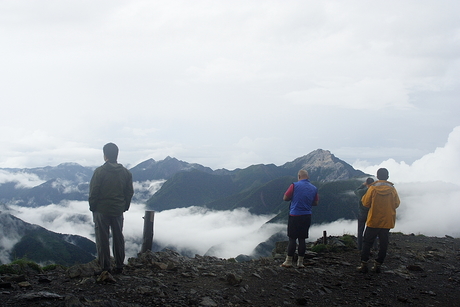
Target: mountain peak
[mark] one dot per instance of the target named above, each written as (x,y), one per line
(163,169)
(323,166)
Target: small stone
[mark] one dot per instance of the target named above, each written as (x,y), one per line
(233,279)
(105,277)
(43,279)
(24,284)
(38,295)
(413,267)
(207,301)
(160,265)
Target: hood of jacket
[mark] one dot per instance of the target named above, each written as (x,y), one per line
(383,187)
(112,167)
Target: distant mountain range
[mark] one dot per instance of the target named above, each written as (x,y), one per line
(261,187)
(187,184)
(258,187)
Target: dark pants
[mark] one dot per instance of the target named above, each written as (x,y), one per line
(370,235)
(361,226)
(102,226)
(298,227)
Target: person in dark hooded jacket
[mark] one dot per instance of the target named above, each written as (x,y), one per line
(110,193)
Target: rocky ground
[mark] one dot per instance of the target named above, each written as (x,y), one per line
(419,271)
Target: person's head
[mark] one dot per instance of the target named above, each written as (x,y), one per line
(382,174)
(303,174)
(110,152)
(369,181)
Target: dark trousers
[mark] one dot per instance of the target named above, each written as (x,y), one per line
(102,226)
(361,226)
(298,227)
(370,235)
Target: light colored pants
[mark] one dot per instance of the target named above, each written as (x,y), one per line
(102,226)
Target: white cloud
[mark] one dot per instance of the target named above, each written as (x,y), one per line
(429,189)
(191,229)
(337,228)
(145,189)
(429,208)
(198,229)
(69,217)
(23,180)
(8,238)
(441,165)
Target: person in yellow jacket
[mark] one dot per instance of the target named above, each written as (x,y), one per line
(382,200)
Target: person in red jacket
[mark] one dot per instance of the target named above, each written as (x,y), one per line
(302,196)
(382,200)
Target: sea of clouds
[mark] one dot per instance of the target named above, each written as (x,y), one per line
(429,190)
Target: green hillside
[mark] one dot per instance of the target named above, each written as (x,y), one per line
(43,246)
(263,199)
(194,188)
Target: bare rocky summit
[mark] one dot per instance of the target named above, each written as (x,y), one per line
(419,271)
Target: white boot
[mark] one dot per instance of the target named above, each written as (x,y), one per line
(300,262)
(288,262)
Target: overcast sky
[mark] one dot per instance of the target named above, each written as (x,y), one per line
(227,84)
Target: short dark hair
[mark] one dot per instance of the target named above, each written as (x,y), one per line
(110,152)
(369,180)
(382,174)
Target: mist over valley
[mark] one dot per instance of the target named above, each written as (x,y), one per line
(227,213)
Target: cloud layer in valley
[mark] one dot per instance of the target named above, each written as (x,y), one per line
(191,230)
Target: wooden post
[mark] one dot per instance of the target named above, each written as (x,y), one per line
(148,231)
(324,237)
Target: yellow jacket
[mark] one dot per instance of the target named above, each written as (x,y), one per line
(382,200)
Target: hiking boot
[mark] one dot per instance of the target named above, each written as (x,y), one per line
(363,267)
(377,268)
(287,263)
(300,262)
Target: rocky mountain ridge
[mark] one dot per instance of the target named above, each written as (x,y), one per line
(70,181)
(257,187)
(418,271)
